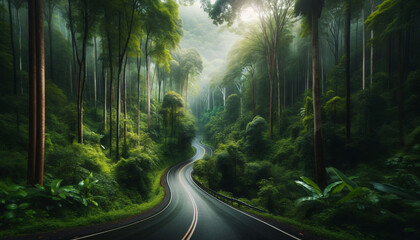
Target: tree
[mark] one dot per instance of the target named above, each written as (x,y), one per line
(127,11)
(84,19)
(12,42)
(311,10)
(191,65)
(50,6)
(36,93)
(272,17)
(162,26)
(393,17)
(171,106)
(18,5)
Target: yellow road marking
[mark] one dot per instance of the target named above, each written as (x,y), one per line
(193,225)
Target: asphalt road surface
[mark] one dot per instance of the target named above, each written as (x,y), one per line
(193,214)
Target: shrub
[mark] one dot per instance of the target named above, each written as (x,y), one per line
(133,172)
(255,136)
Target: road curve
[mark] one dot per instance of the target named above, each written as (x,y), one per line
(193,214)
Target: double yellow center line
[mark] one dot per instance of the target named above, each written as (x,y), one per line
(191,230)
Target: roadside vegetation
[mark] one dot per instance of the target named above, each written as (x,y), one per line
(108,137)
(370,130)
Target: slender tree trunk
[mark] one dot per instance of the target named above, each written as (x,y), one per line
(371,48)
(125,102)
(253,92)
(400,88)
(186,92)
(51,46)
(364,50)
(111,84)
(104,75)
(148,84)
(20,48)
(347,45)
(138,95)
(117,136)
(20,44)
(278,97)
(40,92)
(94,73)
(12,41)
(321,176)
(71,78)
(32,92)
(322,76)
(307,71)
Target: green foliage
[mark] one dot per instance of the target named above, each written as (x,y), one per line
(335,108)
(306,114)
(255,135)
(268,193)
(14,205)
(133,172)
(233,108)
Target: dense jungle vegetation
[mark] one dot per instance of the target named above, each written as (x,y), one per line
(311,108)
(315,116)
(114,118)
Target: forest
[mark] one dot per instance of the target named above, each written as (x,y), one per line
(306,110)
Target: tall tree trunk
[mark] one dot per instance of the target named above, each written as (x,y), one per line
(117,136)
(104,75)
(32,92)
(138,95)
(40,93)
(111,84)
(278,97)
(71,79)
(94,73)
(253,92)
(364,51)
(148,83)
(371,47)
(320,173)
(51,46)
(347,45)
(400,88)
(20,47)
(12,41)
(186,92)
(125,102)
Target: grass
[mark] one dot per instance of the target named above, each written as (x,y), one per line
(46,224)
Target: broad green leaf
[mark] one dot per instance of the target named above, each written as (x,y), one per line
(402,193)
(357,192)
(349,183)
(23,205)
(330,187)
(312,184)
(55,185)
(62,195)
(300,200)
(339,188)
(11,206)
(306,187)
(94,202)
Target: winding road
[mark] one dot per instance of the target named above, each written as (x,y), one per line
(191,213)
